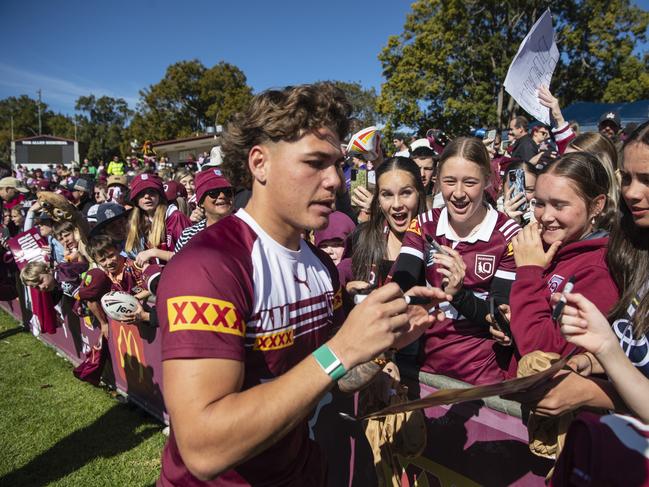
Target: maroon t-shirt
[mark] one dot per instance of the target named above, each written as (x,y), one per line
(457,347)
(234,293)
(130,280)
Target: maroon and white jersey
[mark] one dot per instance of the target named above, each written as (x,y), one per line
(175,222)
(457,347)
(235,293)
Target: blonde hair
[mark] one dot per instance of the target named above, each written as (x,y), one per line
(605,152)
(139,227)
(31,273)
(183,173)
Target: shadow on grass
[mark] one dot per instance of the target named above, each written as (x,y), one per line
(109,435)
(11,332)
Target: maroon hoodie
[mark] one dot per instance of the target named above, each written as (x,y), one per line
(532,325)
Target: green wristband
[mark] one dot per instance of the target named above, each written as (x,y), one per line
(331,364)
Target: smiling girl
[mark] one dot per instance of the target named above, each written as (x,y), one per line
(398,197)
(571,209)
(154,226)
(476,263)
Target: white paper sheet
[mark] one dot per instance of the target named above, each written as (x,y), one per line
(533,66)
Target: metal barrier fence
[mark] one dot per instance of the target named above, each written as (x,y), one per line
(475,443)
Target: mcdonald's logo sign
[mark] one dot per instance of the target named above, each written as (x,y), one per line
(204,314)
(128,343)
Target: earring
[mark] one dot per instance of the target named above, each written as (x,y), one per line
(592,221)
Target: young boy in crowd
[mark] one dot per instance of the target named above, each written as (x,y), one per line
(122,271)
(65,233)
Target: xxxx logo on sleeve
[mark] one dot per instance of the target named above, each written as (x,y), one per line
(204,314)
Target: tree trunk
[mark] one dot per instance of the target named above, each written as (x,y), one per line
(499,107)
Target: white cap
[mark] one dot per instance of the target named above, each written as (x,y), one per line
(420,143)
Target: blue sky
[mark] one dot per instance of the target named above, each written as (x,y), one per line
(73,48)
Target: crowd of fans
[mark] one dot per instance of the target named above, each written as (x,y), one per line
(508,218)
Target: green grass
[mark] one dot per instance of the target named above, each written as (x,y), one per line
(57,430)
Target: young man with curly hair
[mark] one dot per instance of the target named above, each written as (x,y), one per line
(254,335)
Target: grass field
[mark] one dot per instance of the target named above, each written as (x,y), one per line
(57,430)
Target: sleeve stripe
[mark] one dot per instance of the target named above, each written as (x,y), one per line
(507,224)
(411,251)
(510,276)
(513,230)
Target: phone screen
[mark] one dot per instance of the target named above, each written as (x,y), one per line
(516,179)
(358,178)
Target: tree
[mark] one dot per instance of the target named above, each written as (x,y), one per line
(363,102)
(188,99)
(101,125)
(448,67)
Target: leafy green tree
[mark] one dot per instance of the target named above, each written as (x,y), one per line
(363,102)
(59,125)
(225,91)
(448,67)
(101,125)
(188,99)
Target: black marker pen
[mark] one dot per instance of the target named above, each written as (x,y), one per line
(558,308)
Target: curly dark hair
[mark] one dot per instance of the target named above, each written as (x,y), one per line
(281,115)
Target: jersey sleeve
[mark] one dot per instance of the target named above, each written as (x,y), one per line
(507,265)
(204,297)
(408,267)
(175,224)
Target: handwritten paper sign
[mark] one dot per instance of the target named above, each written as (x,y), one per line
(532,67)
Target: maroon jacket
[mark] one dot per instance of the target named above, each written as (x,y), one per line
(532,325)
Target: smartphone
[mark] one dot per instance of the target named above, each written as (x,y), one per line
(358,178)
(504,144)
(371,180)
(516,180)
(491,135)
(501,323)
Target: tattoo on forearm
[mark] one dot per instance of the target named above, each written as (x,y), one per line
(359,377)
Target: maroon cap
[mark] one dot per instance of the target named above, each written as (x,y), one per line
(143,182)
(173,189)
(208,180)
(94,285)
(340,226)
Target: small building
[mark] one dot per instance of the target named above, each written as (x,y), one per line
(40,150)
(180,151)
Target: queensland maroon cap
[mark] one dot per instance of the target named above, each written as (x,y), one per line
(142,182)
(208,180)
(173,189)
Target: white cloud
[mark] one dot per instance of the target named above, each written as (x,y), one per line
(56,91)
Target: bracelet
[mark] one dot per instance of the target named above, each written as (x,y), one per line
(329,362)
